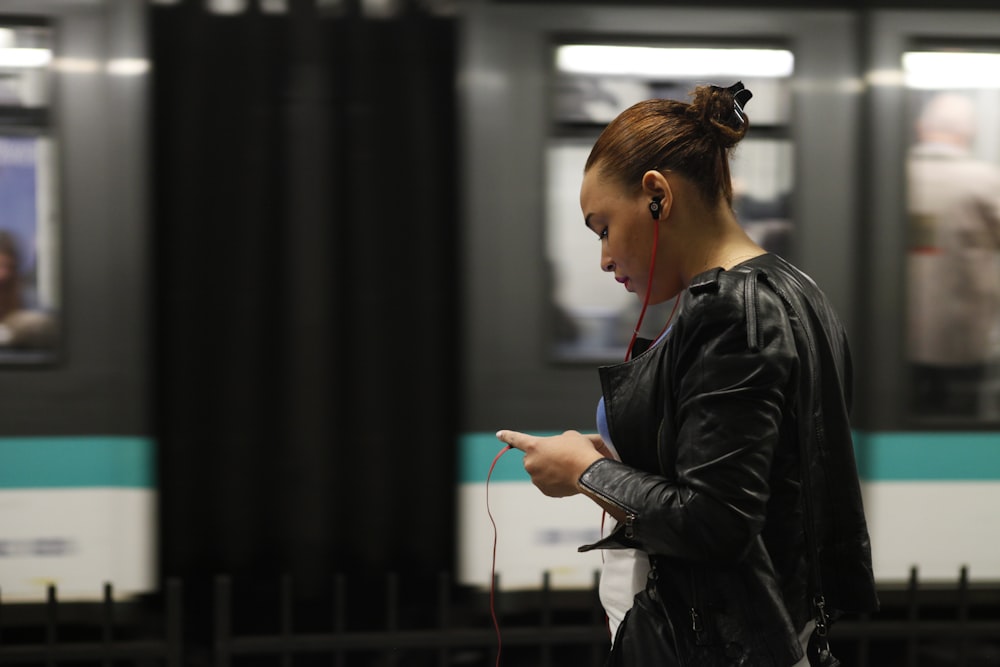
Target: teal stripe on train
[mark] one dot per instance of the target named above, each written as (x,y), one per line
(929,456)
(882,457)
(77,462)
(476,452)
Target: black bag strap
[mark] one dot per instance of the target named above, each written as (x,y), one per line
(818,649)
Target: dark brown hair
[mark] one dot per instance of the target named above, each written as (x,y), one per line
(693,139)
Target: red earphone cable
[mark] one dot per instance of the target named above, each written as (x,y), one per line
(635,335)
(645,301)
(649,288)
(493,567)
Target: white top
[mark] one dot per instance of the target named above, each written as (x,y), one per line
(623,574)
(623,571)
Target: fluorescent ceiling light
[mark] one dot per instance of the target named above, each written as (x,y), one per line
(76,65)
(885,77)
(935,70)
(128,66)
(656,62)
(21,57)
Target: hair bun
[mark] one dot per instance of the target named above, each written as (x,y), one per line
(720,110)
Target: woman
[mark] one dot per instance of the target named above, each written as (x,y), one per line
(724,451)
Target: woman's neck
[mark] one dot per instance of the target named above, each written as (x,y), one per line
(716,240)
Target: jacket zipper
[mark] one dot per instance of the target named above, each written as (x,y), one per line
(696,625)
(696,621)
(630,525)
(631,516)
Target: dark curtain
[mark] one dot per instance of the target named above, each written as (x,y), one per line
(306,290)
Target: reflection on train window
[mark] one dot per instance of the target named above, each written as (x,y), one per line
(953,209)
(29,271)
(592,316)
(25,55)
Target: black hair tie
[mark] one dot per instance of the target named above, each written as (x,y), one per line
(741,95)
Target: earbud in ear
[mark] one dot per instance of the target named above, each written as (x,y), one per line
(654,207)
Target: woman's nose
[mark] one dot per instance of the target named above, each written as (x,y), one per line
(606,263)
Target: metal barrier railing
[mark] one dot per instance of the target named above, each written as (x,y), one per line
(20,646)
(926,625)
(463,628)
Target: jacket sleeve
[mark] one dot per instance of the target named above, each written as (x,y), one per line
(732,367)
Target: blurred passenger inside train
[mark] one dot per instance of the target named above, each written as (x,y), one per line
(723,453)
(22,323)
(954,262)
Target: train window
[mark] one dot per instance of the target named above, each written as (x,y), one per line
(25,55)
(953,250)
(29,277)
(593,317)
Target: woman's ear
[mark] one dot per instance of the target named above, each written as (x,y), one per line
(656,188)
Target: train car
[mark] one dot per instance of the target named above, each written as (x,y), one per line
(823,178)
(77,456)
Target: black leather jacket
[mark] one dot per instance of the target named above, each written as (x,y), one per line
(711,426)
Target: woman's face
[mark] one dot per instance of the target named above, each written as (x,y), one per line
(623,225)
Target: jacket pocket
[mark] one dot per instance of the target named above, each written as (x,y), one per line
(645,636)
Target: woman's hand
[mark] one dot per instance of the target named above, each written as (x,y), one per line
(556,463)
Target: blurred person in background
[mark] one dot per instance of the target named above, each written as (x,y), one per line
(22,323)
(724,454)
(953,202)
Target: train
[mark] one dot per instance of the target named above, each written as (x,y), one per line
(821,179)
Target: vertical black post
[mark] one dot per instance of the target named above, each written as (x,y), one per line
(107,623)
(174,632)
(545,622)
(223,618)
(392,616)
(50,627)
(339,609)
(286,621)
(598,617)
(913,618)
(963,616)
(495,612)
(444,616)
